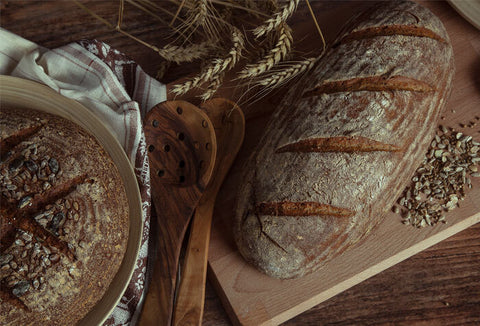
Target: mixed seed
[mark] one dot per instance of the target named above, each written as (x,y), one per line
(26,260)
(28,173)
(440,183)
(55,216)
(24,263)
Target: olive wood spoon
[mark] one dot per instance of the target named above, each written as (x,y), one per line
(229,125)
(182,146)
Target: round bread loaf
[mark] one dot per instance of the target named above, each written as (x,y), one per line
(64,219)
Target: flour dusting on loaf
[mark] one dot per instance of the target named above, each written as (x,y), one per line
(346,139)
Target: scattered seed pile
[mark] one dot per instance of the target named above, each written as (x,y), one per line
(439,184)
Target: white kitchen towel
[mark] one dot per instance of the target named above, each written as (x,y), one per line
(120,93)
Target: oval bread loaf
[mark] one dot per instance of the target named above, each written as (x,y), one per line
(345,141)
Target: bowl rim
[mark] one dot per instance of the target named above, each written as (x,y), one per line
(469,10)
(23,93)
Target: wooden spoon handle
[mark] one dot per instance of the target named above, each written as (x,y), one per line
(191,292)
(182,148)
(229,125)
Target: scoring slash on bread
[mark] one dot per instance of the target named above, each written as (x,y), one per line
(345,141)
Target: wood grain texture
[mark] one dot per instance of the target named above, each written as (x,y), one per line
(438,286)
(229,124)
(182,147)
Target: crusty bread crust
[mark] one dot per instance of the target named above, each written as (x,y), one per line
(64,219)
(349,136)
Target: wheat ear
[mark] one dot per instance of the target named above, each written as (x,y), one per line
(202,17)
(180,54)
(212,88)
(279,77)
(217,66)
(275,55)
(278,19)
(197,14)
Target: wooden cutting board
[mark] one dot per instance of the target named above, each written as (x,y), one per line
(252,298)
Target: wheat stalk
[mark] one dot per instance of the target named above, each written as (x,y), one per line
(251,5)
(201,13)
(275,55)
(268,44)
(177,13)
(217,66)
(235,5)
(283,75)
(277,20)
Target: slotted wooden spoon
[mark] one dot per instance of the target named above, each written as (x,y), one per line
(182,148)
(229,125)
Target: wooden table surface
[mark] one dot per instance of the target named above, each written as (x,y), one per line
(439,286)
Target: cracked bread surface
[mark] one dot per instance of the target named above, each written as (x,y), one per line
(64,219)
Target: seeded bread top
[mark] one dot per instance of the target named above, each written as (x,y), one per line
(64,217)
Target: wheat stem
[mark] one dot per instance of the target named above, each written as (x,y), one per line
(149,8)
(177,13)
(120,14)
(316,24)
(107,23)
(104,21)
(240,7)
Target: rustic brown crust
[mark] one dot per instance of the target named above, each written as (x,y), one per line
(338,144)
(7,296)
(31,226)
(353,141)
(389,30)
(6,144)
(371,83)
(301,209)
(63,215)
